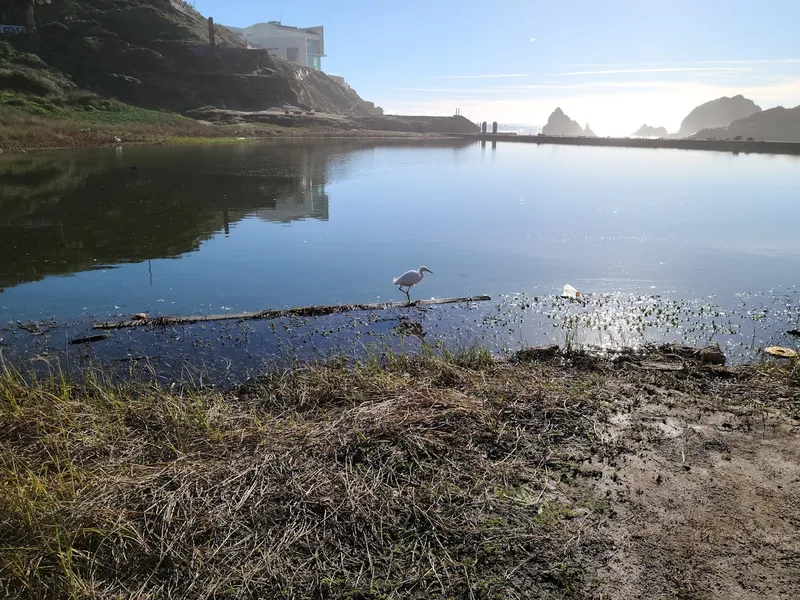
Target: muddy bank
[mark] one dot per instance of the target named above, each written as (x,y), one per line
(50,133)
(293,117)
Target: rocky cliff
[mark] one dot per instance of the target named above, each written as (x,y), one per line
(561,124)
(157,54)
(648,131)
(717,113)
(774,125)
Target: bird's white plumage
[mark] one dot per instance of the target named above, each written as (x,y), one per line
(410,278)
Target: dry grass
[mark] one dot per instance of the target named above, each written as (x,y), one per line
(431,477)
(419,478)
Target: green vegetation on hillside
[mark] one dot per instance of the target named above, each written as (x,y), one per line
(41,106)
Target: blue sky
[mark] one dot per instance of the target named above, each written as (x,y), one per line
(613,64)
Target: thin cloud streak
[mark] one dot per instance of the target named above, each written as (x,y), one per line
(595,85)
(494,90)
(587,85)
(658,70)
(544,86)
(756,61)
(497,76)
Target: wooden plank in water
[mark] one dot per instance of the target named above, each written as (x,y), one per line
(303,311)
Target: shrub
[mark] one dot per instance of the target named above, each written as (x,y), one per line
(93,44)
(13,101)
(83,98)
(28,82)
(30,60)
(6,50)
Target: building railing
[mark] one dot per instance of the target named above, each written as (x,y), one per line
(12,30)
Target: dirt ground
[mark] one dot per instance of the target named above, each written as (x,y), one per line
(705,489)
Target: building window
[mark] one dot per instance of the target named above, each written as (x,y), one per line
(293,54)
(312,46)
(315,63)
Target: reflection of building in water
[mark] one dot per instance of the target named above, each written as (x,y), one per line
(309,201)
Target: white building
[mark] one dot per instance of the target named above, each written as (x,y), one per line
(303,46)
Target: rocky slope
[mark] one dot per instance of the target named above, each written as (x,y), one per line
(648,131)
(156,54)
(561,124)
(774,125)
(717,113)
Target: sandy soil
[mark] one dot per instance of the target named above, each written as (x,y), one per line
(705,492)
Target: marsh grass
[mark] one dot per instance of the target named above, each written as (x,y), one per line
(33,126)
(397,476)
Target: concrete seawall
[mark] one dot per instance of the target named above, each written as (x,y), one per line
(734,146)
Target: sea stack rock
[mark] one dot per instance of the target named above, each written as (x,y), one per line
(561,124)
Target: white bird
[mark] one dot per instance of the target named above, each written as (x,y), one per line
(116,139)
(410,278)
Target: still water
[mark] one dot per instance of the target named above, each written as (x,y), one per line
(253,226)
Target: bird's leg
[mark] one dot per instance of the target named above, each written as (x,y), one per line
(406,293)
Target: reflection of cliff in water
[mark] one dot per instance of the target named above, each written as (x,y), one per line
(65,213)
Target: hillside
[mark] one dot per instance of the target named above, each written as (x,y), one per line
(717,113)
(156,54)
(774,125)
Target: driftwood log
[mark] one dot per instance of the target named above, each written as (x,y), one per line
(303,311)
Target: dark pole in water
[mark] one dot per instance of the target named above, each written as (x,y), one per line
(494,127)
(483,127)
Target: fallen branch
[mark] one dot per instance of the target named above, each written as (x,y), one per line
(303,311)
